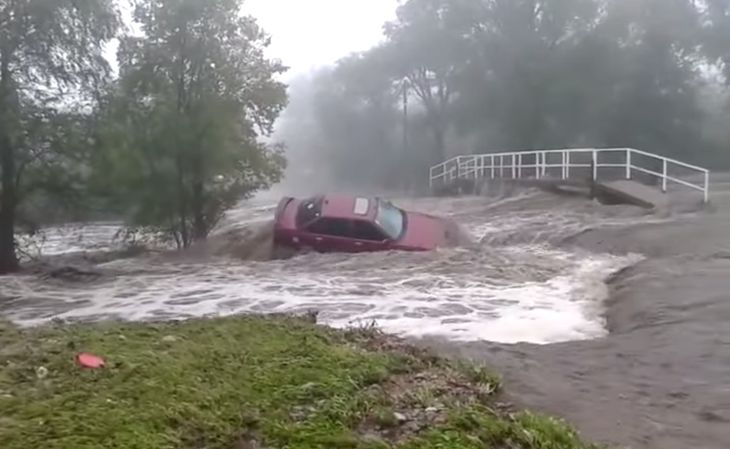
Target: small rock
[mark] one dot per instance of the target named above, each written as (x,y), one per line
(432,410)
(414,427)
(41,372)
(400,417)
(311,316)
(169,339)
(504,406)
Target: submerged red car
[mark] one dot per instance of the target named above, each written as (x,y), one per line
(338,223)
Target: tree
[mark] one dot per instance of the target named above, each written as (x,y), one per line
(195,93)
(426,48)
(716,33)
(519,89)
(654,105)
(48,49)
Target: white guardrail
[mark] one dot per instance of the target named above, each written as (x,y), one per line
(560,164)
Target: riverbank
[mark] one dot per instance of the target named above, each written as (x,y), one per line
(249,382)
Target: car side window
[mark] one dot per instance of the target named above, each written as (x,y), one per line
(308,211)
(365,230)
(331,226)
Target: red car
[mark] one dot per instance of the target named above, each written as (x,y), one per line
(336,223)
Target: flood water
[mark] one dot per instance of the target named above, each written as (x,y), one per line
(611,317)
(510,284)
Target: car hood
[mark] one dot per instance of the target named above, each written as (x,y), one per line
(425,231)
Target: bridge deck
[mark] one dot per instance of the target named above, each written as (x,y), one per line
(616,192)
(632,192)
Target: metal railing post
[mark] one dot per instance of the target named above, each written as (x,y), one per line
(595,165)
(492,166)
(664,175)
(628,163)
(544,164)
(567,164)
(514,165)
(519,166)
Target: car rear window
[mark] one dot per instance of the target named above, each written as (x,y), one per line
(309,210)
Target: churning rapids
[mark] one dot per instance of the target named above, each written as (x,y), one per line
(515,282)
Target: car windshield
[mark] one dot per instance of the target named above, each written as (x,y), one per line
(391,219)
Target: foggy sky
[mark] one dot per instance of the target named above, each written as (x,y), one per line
(308,34)
(312,33)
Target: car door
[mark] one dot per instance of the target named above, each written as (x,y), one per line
(329,235)
(368,237)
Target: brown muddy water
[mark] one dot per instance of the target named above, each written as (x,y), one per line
(661,378)
(609,316)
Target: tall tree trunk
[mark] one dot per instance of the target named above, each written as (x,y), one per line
(8,196)
(8,258)
(182,204)
(200,226)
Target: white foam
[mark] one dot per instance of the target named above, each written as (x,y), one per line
(517,293)
(71,239)
(407,301)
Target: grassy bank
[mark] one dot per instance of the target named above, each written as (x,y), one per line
(248,382)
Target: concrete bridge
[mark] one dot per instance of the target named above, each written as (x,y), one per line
(618,175)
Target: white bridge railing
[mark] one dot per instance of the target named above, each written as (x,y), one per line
(569,164)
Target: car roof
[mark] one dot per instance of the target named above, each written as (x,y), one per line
(349,207)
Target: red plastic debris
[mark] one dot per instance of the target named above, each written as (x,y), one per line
(90,361)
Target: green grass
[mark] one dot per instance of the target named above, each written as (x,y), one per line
(244,382)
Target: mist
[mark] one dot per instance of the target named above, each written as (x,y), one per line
(502,75)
